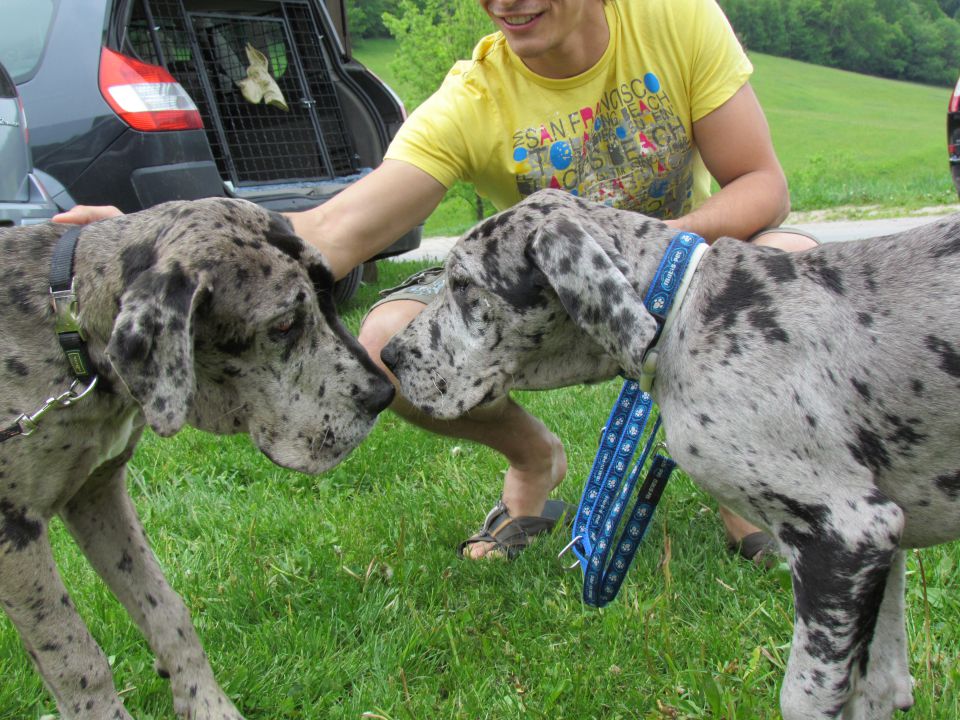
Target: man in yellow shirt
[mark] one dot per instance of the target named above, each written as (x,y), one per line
(634,103)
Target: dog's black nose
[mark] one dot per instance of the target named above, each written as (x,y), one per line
(389,354)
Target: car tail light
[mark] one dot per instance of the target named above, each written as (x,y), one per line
(146,97)
(955,100)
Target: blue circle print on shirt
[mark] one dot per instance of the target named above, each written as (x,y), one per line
(652,82)
(520,154)
(561,155)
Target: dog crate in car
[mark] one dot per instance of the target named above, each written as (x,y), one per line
(260,74)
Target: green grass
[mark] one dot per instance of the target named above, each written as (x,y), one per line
(849,139)
(340,596)
(846,141)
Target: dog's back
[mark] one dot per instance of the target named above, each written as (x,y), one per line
(848,352)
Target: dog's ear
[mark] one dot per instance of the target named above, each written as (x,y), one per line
(151,345)
(594,290)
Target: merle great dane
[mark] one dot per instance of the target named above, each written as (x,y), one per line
(210,313)
(816,393)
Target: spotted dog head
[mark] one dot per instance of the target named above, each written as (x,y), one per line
(226,322)
(539,296)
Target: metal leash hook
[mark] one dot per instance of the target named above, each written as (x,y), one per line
(29,423)
(567,548)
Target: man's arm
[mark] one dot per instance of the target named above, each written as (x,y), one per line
(351,227)
(735,144)
(370,215)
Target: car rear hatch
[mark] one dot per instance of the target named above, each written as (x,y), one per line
(267,79)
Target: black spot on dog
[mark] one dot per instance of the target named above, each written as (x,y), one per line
(838,587)
(865,319)
(135,260)
(949,358)
(824,275)
(766,322)
(178,289)
(951,247)
(20,297)
(904,434)
(17,529)
(235,346)
(869,450)
(16,367)
(280,235)
(742,292)
(863,390)
(949,485)
(779,266)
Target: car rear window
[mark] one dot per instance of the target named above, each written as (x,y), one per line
(26,26)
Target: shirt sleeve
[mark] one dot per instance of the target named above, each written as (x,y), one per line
(720,66)
(444,136)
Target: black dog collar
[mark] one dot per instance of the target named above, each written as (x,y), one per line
(64,299)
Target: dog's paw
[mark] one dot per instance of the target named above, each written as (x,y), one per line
(878,698)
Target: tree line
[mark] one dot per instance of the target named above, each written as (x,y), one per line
(915,40)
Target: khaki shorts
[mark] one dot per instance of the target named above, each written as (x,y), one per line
(424,286)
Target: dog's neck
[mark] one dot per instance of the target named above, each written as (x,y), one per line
(98,279)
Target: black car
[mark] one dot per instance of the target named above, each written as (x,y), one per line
(136,102)
(23,199)
(953,135)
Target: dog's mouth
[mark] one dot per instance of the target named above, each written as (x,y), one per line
(314,453)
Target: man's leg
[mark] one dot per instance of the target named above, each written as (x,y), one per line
(537,462)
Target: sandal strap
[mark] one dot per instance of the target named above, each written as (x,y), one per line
(509,535)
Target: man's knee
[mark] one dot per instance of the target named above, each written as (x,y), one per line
(383,322)
(785,239)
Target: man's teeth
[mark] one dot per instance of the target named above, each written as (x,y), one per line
(518,19)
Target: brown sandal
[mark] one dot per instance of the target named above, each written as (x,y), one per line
(511,535)
(759,548)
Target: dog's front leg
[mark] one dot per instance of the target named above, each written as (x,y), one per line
(104,522)
(841,553)
(887,682)
(72,665)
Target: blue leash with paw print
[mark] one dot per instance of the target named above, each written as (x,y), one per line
(603,557)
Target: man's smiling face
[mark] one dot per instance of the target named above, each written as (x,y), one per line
(554,38)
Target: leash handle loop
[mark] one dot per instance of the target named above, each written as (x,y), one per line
(607,491)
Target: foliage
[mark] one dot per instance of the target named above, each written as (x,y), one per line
(431,36)
(365,17)
(917,40)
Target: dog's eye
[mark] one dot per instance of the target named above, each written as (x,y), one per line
(284,327)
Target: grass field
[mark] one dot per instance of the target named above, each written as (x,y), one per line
(849,142)
(340,596)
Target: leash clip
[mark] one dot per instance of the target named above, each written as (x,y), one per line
(29,423)
(567,548)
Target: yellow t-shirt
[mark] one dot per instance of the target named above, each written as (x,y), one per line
(620,133)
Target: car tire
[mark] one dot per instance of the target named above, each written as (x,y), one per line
(346,287)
